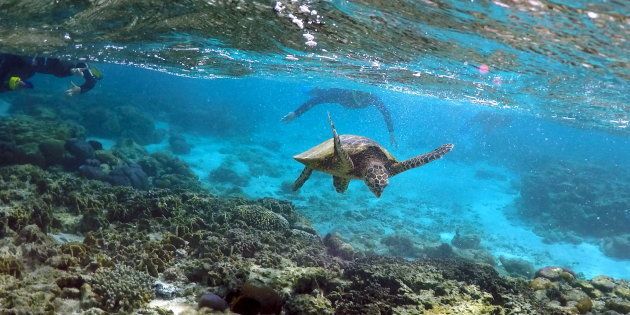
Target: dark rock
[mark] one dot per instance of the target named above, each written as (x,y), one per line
(129,175)
(212,301)
(91,172)
(80,149)
(95,145)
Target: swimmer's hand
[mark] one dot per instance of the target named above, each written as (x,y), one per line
(77,71)
(288,117)
(73,90)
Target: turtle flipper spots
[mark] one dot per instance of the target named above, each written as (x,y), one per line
(340,183)
(306,173)
(421,159)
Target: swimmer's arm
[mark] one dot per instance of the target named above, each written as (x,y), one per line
(301,110)
(61,68)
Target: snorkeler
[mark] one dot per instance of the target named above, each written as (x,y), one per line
(15,70)
(347,98)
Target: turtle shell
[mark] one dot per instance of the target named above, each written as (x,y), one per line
(359,148)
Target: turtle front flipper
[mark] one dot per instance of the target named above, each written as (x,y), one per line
(341,156)
(306,173)
(420,159)
(341,183)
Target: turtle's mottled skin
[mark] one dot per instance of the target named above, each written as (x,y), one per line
(349,157)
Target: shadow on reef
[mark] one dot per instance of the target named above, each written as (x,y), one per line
(568,202)
(72,245)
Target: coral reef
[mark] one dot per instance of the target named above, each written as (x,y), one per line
(167,171)
(254,255)
(466,241)
(98,118)
(517,267)
(122,288)
(564,293)
(399,245)
(576,199)
(261,218)
(26,140)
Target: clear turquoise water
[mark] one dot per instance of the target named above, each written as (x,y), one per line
(556,92)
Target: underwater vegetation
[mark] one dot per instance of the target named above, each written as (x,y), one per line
(566,202)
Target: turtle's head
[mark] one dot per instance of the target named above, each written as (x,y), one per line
(377,178)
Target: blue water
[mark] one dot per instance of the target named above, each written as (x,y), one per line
(426,205)
(548,119)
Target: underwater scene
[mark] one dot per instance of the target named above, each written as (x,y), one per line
(314,157)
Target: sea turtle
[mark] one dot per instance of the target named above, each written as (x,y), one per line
(349,157)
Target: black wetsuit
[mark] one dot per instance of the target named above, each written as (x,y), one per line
(347,98)
(25,67)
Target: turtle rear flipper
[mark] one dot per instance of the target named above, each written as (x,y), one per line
(306,173)
(420,159)
(341,183)
(341,156)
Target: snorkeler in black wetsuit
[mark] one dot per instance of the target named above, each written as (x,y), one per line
(15,70)
(347,98)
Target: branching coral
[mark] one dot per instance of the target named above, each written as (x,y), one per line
(122,288)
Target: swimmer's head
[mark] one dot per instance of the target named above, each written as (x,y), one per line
(16,82)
